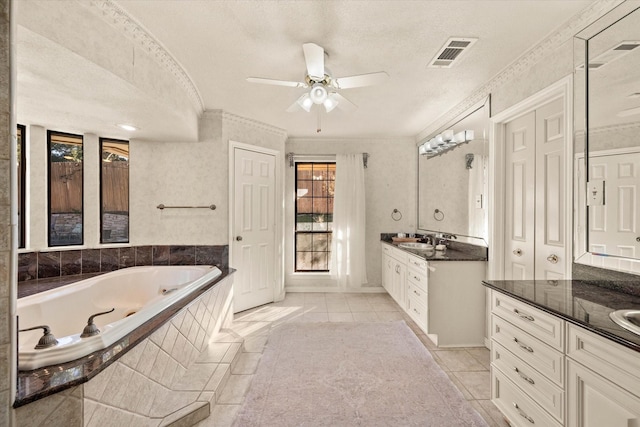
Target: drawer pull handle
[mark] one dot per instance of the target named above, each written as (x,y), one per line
(523,316)
(523,376)
(417,312)
(522,346)
(417,278)
(416,292)
(523,414)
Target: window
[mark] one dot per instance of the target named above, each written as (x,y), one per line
(65,189)
(315,183)
(114,191)
(22,166)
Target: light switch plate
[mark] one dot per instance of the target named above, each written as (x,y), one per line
(595,193)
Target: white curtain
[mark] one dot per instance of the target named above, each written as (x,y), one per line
(348,266)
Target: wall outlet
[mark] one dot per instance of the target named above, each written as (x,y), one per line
(595,193)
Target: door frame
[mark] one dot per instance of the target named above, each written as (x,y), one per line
(278,288)
(497,141)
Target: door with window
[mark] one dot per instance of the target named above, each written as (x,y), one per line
(253,227)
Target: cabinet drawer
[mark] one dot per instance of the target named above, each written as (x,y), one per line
(416,292)
(611,360)
(417,308)
(537,386)
(418,280)
(417,263)
(520,409)
(544,326)
(532,351)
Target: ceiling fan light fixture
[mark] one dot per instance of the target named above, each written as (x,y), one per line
(305,102)
(318,93)
(330,103)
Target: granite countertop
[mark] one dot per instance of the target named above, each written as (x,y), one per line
(584,303)
(39,383)
(455,252)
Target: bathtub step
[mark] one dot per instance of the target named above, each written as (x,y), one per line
(218,360)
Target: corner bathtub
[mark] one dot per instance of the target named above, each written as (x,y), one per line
(136,293)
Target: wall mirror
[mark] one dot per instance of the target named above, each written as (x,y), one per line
(453,185)
(607,140)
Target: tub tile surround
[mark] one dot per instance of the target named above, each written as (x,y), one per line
(41,271)
(155,359)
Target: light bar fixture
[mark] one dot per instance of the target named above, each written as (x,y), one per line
(444,142)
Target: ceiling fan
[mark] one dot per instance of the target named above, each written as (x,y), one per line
(323,86)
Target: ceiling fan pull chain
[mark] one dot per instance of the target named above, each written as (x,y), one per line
(319,127)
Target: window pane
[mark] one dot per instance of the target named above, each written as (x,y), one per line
(65,189)
(21,156)
(114,184)
(314,215)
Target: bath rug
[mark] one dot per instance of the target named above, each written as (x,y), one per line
(351,374)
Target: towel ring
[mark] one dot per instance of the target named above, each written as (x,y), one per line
(438,215)
(396,215)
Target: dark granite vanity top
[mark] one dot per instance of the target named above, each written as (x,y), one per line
(456,251)
(582,302)
(43,382)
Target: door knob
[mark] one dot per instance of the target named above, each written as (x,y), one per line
(553,258)
(517,252)
(239,238)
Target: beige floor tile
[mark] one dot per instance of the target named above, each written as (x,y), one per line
(315,317)
(385,306)
(235,389)
(340,317)
(247,364)
(338,306)
(255,343)
(359,305)
(477,383)
(366,316)
(482,355)
(389,316)
(221,416)
(467,395)
(427,342)
(458,360)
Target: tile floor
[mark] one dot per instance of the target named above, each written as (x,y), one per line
(468,368)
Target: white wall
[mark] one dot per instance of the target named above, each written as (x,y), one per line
(390,181)
(190,174)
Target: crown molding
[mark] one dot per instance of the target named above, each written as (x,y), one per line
(611,128)
(120,19)
(578,22)
(233,118)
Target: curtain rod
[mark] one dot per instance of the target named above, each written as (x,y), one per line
(365,157)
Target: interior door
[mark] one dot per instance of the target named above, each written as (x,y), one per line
(551,192)
(253,226)
(520,197)
(613,227)
(535,196)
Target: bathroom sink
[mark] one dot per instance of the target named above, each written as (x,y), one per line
(416,245)
(628,319)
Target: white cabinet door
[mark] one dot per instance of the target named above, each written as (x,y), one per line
(593,401)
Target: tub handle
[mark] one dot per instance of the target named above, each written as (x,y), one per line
(91,329)
(46,340)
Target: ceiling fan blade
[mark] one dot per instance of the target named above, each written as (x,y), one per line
(275,82)
(314,57)
(360,80)
(343,103)
(302,103)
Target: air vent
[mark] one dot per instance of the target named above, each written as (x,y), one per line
(612,54)
(451,51)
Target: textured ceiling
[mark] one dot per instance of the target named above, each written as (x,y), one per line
(221,43)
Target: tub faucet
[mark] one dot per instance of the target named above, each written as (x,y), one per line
(91,329)
(46,340)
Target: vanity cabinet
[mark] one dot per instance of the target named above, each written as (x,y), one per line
(394,273)
(603,381)
(444,298)
(548,371)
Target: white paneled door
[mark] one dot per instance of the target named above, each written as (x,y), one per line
(613,226)
(253,225)
(535,194)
